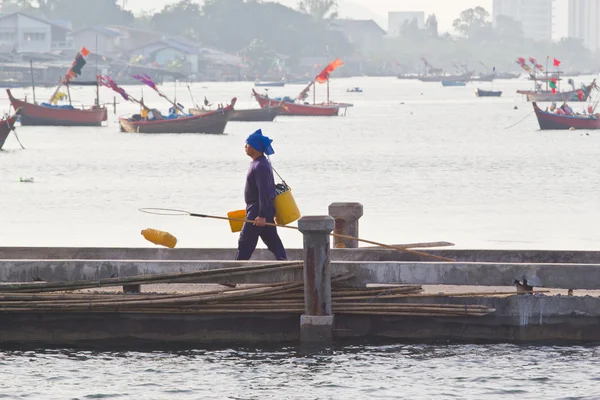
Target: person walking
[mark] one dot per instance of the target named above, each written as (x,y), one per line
(259,194)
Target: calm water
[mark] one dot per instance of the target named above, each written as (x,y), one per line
(351,372)
(427,163)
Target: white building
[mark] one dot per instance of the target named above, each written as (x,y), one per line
(26,33)
(584,22)
(397,19)
(534,15)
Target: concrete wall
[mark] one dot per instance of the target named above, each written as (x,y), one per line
(565,276)
(517,319)
(360,254)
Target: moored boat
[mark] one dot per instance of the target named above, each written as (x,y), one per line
(46,114)
(453,83)
(210,122)
(270,84)
(7,125)
(549,95)
(298,107)
(549,120)
(63,115)
(250,114)
(487,93)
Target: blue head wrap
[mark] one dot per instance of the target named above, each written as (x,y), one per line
(260,142)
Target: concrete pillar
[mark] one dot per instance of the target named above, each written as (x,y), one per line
(346,217)
(316,325)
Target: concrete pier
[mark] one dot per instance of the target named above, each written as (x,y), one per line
(517,317)
(346,216)
(316,324)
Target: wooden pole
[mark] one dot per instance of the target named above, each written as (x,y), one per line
(32,81)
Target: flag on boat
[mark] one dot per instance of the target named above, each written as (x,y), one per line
(78,64)
(556,62)
(553,85)
(324,75)
(146,80)
(109,83)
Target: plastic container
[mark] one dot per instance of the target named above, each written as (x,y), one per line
(286,210)
(159,237)
(236,226)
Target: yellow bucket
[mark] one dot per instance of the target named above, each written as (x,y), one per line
(286,210)
(236,226)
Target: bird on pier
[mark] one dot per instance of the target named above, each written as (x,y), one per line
(523,287)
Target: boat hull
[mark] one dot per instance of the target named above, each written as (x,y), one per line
(212,122)
(6,126)
(487,93)
(558,96)
(293,109)
(33,114)
(259,114)
(453,83)
(548,120)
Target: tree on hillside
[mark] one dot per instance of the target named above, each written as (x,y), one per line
(319,9)
(472,22)
(86,13)
(258,57)
(431,25)
(508,28)
(180,19)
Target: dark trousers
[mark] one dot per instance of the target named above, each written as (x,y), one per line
(249,238)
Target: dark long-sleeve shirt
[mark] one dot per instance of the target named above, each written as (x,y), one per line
(259,192)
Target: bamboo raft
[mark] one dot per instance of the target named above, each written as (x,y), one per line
(282,297)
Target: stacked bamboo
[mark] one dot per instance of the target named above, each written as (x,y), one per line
(284,297)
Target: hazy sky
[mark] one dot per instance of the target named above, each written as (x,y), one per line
(445,10)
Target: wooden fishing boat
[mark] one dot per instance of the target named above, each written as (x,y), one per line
(487,93)
(547,95)
(270,84)
(7,125)
(209,122)
(47,114)
(549,120)
(453,83)
(301,109)
(251,114)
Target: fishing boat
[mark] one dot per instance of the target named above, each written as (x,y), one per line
(453,83)
(301,109)
(251,114)
(210,122)
(47,114)
(298,106)
(270,84)
(554,95)
(487,93)
(7,125)
(549,120)
(50,113)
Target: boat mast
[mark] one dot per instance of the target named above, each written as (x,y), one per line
(32,82)
(97,86)
(328,90)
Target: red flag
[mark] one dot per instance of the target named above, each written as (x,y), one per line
(553,91)
(556,62)
(324,75)
(84,52)
(554,80)
(580,95)
(532,60)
